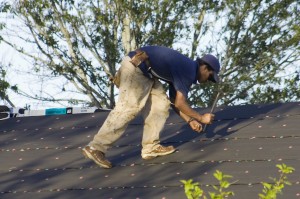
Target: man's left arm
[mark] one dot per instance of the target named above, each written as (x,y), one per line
(194,124)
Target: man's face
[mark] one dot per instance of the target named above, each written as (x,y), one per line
(204,74)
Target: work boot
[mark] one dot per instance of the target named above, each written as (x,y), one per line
(97,156)
(159,151)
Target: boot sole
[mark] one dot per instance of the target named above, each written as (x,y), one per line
(87,155)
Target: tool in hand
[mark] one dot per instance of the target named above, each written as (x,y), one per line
(213,108)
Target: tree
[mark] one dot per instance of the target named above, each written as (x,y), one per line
(84,41)
(258,43)
(4,86)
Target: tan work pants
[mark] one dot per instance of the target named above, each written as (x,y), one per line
(137,94)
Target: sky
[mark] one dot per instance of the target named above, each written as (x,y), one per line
(21,74)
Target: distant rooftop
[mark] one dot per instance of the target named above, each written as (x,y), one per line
(41,155)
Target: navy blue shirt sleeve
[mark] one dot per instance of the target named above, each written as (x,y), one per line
(182,79)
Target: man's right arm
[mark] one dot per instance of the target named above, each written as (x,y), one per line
(180,105)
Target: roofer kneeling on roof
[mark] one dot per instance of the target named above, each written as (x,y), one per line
(140,91)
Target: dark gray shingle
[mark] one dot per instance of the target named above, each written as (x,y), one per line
(40,156)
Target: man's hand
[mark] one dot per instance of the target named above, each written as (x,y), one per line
(186,112)
(196,126)
(207,118)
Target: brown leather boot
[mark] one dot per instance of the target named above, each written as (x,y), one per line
(159,151)
(97,156)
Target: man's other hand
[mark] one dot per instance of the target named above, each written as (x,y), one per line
(207,118)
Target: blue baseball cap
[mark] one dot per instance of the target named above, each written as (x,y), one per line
(214,63)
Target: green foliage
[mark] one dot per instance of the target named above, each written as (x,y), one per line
(270,191)
(264,49)
(5,86)
(260,53)
(223,185)
(4,6)
(193,191)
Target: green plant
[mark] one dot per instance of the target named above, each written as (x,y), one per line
(193,191)
(223,184)
(271,190)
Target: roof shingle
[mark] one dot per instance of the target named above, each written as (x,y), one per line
(40,156)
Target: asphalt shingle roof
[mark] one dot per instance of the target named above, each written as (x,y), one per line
(41,158)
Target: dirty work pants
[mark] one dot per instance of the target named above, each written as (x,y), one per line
(137,94)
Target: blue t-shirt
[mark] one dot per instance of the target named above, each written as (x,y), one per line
(171,66)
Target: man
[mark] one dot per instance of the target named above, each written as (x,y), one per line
(141,92)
